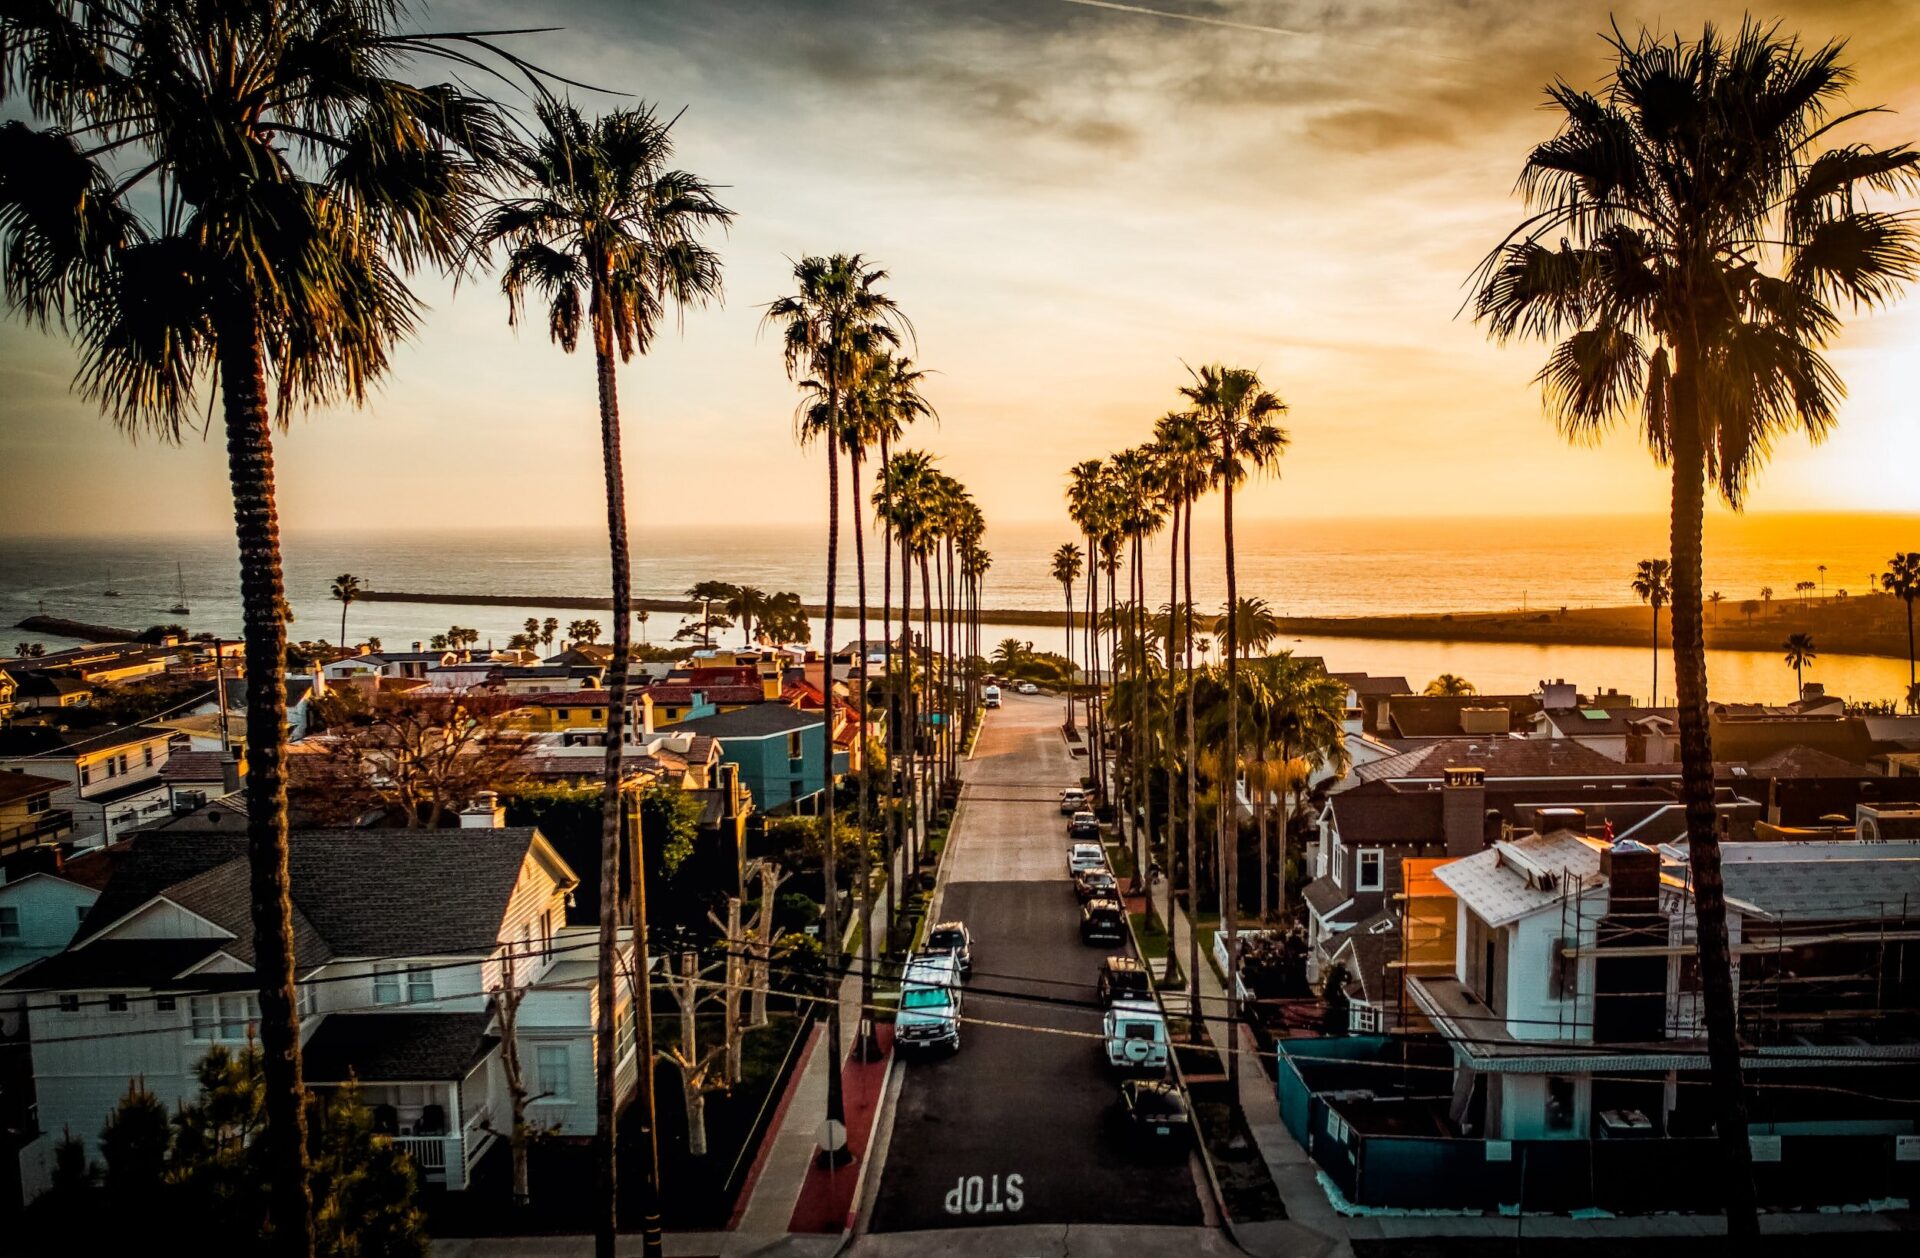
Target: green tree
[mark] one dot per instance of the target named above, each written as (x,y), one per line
(1708,228)
(745,604)
(230,198)
(1799,653)
(607,234)
(1902,580)
(549,629)
(587,631)
(1450,684)
(1237,413)
(346,588)
(832,327)
(1653,585)
(1255,625)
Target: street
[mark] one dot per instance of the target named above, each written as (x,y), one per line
(1015,1129)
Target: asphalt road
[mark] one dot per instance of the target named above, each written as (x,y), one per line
(1014,1130)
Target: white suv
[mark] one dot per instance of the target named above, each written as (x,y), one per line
(1136,1036)
(1084,856)
(929,1014)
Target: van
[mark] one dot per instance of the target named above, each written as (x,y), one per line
(991,697)
(929,1014)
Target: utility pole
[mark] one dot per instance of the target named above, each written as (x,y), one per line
(220,694)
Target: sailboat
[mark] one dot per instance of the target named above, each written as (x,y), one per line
(109,592)
(180,607)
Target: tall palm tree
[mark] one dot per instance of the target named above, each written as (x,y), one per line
(1237,414)
(1088,503)
(1902,580)
(1067,566)
(904,498)
(831,326)
(745,604)
(346,588)
(1134,474)
(1653,584)
(1706,237)
(607,235)
(1799,653)
(229,199)
(1714,600)
(1186,468)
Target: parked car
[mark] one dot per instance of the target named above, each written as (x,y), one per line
(1096,884)
(1154,1112)
(955,939)
(1136,1036)
(1084,856)
(1102,921)
(930,996)
(1072,800)
(1084,825)
(1122,978)
(990,697)
(1028,688)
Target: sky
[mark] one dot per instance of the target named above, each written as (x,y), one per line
(1073,200)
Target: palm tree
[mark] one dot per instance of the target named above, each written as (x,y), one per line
(246,231)
(346,588)
(1449,685)
(1902,580)
(903,498)
(1822,568)
(531,626)
(1237,414)
(1653,584)
(1799,653)
(1255,624)
(1086,503)
(1716,598)
(1766,599)
(548,628)
(745,604)
(707,593)
(1140,511)
(1913,697)
(1186,469)
(1670,194)
(831,327)
(605,232)
(1067,566)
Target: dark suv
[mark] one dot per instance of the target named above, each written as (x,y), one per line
(1123,978)
(1096,884)
(1102,921)
(952,937)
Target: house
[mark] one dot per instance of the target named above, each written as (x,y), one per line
(1450,716)
(110,778)
(1369,700)
(414,663)
(7,687)
(28,818)
(102,662)
(41,909)
(402,938)
(48,689)
(304,691)
(1630,735)
(1567,1069)
(194,777)
(781,753)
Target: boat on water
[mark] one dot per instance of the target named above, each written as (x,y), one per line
(180,607)
(109,592)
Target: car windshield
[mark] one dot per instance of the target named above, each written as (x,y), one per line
(1140,1030)
(925,998)
(945,939)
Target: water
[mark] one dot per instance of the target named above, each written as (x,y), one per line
(1316,568)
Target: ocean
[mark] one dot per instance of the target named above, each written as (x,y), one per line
(1316,568)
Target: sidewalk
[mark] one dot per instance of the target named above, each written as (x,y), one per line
(1313,1227)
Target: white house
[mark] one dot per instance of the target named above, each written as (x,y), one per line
(111,776)
(41,911)
(401,939)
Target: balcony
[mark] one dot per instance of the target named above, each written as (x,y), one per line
(433,1155)
(45,827)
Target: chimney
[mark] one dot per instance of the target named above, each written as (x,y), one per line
(484,813)
(1558,694)
(1632,871)
(1551,820)
(1463,810)
(1629,991)
(1485,720)
(229,773)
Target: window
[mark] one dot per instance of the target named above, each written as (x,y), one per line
(80,913)
(386,985)
(1339,863)
(1372,872)
(223,1018)
(546,933)
(304,999)
(1563,971)
(599,714)
(146,754)
(795,749)
(37,804)
(123,762)
(67,1002)
(419,984)
(563,714)
(9,922)
(1361,1017)
(553,1072)
(164,1004)
(1559,1103)
(117,1003)
(110,766)
(86,775)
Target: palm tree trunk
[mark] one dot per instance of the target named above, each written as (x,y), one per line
(343,623)
(1703,838)
(1229,809)
(1173,606)
(829,862)
(1655,701)
(928,804)
(1141,739)
(612,808)
(1066,588)
(892,842)
(910,740)
(1193,800)
(865,873)
(243,390)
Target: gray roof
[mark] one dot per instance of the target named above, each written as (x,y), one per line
(1501,757)
(1323,896)
(763,720)
(1500,884)
(356,893)
(28,740)
(396,1047)
(1819,881)
(118,963)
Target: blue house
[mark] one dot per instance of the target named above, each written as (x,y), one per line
(781,751)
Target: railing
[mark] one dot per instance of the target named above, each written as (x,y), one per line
(52,822)
(475,1136)
(430,1154)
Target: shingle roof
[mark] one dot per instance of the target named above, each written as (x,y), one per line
(1365,949)
(1802,761)
(15,785)
(1323,895)
(126,963)
(46,685)
(1386,816)
(760,721)
(1501,758)
(396,1047)
(194,766)
(26,740)
(1813,882)
(1437,716)
(1497,883)
(361,892)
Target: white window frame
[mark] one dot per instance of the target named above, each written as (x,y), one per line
(1360,882)
(544,1073)
(222,1019)
(1362,1017)
(389,985)
(419,985)
(1339,863)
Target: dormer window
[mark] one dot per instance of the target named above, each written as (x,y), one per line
(1370,872)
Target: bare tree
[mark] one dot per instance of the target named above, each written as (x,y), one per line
(420,755)
(696,1068)
(763,935)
